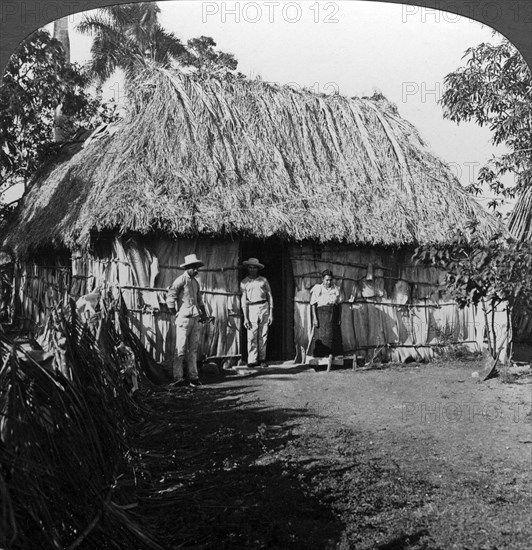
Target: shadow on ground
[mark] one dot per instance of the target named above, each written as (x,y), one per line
(218,469)
(212,475)
(522,352)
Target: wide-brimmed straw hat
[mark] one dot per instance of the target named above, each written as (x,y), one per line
(253,262)
(191,261)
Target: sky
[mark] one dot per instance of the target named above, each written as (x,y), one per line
(353,48)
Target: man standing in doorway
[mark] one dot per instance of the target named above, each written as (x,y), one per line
(185,302)
(257,307)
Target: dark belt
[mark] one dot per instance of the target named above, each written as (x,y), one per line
(259,302)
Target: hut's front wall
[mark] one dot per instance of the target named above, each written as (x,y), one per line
(392,307)
(143,270)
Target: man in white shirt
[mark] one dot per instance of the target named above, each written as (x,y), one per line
(257,307)
(185,302)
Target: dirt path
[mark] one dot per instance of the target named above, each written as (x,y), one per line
(419,456)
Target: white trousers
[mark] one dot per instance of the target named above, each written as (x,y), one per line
(258,316)
(187,335)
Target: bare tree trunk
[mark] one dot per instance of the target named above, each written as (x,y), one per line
(494,334)
(60,120)
(61,34)
(491,349)
(509,349)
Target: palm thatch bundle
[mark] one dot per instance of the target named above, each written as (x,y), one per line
(520,224)
(65,436)
(235,156)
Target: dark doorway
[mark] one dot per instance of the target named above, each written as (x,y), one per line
(273,253)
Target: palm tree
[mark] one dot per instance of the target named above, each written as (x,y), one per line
(129,37)
(61,122)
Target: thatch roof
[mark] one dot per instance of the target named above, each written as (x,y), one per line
(520,224)
(243,157)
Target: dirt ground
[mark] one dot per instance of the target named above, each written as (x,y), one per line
(418,456)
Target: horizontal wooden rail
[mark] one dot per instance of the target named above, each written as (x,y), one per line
(334,262)
(394,345)
(405,306)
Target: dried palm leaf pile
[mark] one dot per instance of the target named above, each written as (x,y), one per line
(66,427)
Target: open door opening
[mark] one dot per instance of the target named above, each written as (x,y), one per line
(273,253)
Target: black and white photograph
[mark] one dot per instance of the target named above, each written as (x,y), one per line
(266,275)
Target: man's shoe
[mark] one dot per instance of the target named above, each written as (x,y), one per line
(195,383)
(253,365)
(263,364)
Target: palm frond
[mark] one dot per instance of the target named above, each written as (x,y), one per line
(128,37)
(65,440)
(94,23)
(168,47)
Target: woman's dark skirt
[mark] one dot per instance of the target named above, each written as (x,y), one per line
(327,338)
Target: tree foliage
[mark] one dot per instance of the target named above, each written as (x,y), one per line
(494,89)
(128,37)
(37,79)
(485,274)
(206,59)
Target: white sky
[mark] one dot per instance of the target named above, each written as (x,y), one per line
(352,47)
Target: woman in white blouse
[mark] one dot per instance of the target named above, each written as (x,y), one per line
(325,300)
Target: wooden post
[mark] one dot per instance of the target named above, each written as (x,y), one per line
(288,303)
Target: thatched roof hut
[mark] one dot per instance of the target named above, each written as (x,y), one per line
(242,157)
(221,163)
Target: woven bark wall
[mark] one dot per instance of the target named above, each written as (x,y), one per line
(143,269)
(391,305)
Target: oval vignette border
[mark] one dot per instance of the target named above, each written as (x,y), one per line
(515,20)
